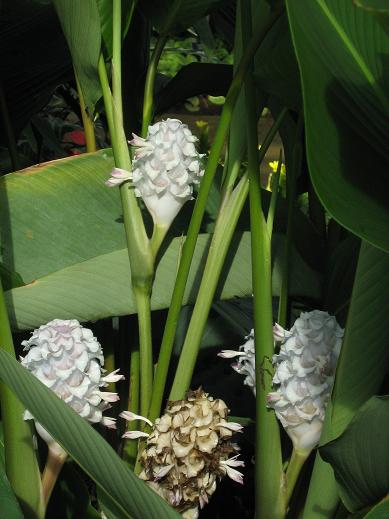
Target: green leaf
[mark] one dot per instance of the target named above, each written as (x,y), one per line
(80,23)
(379,8)
(364,357)
(101,287)
(189,12)
(361,367)
(95,456)
(342,53)
(380,511)
(276,69)
(10,279)
(9,506)
(360,456)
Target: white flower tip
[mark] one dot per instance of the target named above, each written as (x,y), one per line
(113,377)
(118,176)
(230,354)
(134,435)
(109,422)
(108,397)
(130,416)
(232,426)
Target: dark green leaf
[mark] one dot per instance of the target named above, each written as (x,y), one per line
(343,57)
(189,12)
(129,494)
(360,456)
(9,507)
(80,23)
(380,511)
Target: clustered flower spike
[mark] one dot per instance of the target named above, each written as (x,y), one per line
(68,359)
(304,375)
(188,450)
(165,167)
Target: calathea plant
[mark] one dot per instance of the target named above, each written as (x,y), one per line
(191,251)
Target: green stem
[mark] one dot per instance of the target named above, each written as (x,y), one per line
(221,240)
(293,471)
(9,131)
(20,460)
(197,216)
(292,174)
(146,351)
(131,446)
(275,180)
(148,100)
(269,477)
(56,458)
(87,121)
(107,98)
(226,222)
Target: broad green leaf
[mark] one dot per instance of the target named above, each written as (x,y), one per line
(342,53)
(9,507)
(360,456)
(379,8)
(80,23)
(129,494)
(58,214)
(62,231)
(364,357)
(105,11)
(380,511)
(189,12)
(276,69)
(100,287)
(361,367)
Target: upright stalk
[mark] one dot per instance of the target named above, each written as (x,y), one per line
(269,499)
(224,230)
(87,121)
(292,174)
(138,245)
(20,461)
(197,216)
(225,227)
(148,100)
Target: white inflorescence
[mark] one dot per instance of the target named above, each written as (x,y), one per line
(165,167)
(304,375)
(188,450)
(68,359)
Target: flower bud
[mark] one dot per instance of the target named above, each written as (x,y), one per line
(188,450)
(68,359)
(245,364)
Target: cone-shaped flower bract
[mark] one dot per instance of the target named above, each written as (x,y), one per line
(165,167)
(68,359)
(304,375)
(188,450)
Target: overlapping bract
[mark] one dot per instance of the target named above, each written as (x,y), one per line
(188,450)
(68,359)
(304,375)
(165,167)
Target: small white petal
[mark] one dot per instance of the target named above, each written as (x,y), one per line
(236,427)
(230,354)
(113,377)
(130,416)
(133,435)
